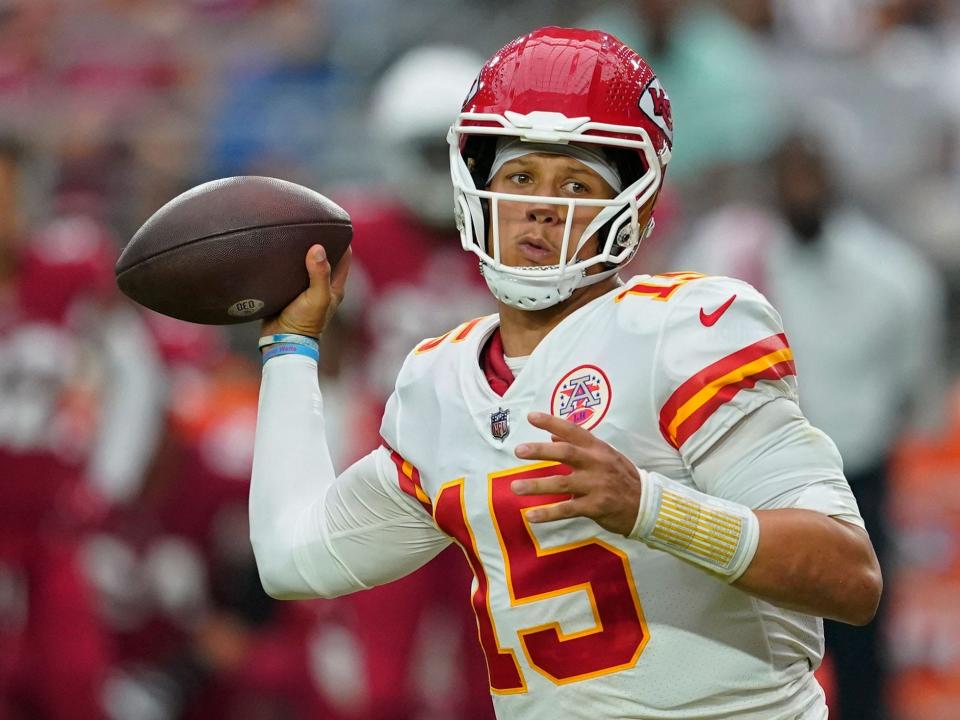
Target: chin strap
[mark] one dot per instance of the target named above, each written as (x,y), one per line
(527,293)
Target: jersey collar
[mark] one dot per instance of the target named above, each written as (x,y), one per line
(495,368)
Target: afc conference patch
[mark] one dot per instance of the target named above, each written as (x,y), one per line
(582,396)
(500,424)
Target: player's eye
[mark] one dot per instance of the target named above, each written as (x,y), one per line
(576,188)
(521,178)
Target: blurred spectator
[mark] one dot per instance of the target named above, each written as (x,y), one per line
(718,76)
(870,86)
(194,635)
(66,279)
(279,116)
(864,314)
(79,396)
(52,377)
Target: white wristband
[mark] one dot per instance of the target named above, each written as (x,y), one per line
(305,340)
(716,534)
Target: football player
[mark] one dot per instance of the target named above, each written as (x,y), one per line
(654,528)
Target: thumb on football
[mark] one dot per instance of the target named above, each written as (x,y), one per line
(310,311)
(325,292)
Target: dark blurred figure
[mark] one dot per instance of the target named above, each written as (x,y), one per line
(865,315)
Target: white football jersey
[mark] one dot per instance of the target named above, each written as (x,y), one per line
(577,622)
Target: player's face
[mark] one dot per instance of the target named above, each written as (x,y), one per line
(531,233)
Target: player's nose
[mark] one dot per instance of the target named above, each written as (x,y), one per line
(544,214)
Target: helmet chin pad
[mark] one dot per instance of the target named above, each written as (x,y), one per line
(531,293)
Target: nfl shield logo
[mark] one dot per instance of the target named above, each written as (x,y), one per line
(500,424)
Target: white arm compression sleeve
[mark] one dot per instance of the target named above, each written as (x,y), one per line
(314,534)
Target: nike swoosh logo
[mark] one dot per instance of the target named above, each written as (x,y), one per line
(709,319)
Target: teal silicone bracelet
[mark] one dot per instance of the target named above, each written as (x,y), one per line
(284,348)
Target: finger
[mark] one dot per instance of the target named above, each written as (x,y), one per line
(561,452)
(560,428)
(552,485)
(318,268)
(339,281)
(556,511)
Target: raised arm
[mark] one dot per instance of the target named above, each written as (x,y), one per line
(315,534)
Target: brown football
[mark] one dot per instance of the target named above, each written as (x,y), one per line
(230,250)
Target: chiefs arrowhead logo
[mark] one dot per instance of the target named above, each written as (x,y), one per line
(656,105)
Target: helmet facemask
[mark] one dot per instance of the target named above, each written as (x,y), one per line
(618,222)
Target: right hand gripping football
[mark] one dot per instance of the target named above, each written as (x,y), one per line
(309,313)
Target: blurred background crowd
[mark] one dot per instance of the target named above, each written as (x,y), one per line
(817,156)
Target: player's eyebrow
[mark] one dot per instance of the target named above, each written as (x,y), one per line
(569,167)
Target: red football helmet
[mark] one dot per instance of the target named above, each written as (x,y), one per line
(560,86)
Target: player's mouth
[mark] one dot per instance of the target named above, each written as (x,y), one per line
(536,250)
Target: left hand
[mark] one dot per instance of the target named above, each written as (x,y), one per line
(604,483)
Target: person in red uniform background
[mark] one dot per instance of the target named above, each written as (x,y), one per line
(78,400)
(52,651)
(192,632)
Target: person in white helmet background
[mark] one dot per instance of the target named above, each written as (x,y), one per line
(405,240)
(654,528)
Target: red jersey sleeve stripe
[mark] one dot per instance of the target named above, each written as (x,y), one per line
(689,407)
(408,478)
(699,416)
(466,328)
(432,343)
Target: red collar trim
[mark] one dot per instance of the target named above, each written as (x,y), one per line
(495,368)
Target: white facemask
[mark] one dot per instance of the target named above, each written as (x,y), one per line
(538,287)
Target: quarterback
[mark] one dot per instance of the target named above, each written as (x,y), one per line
(654,528)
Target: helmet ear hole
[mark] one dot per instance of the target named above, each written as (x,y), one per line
(627,236)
